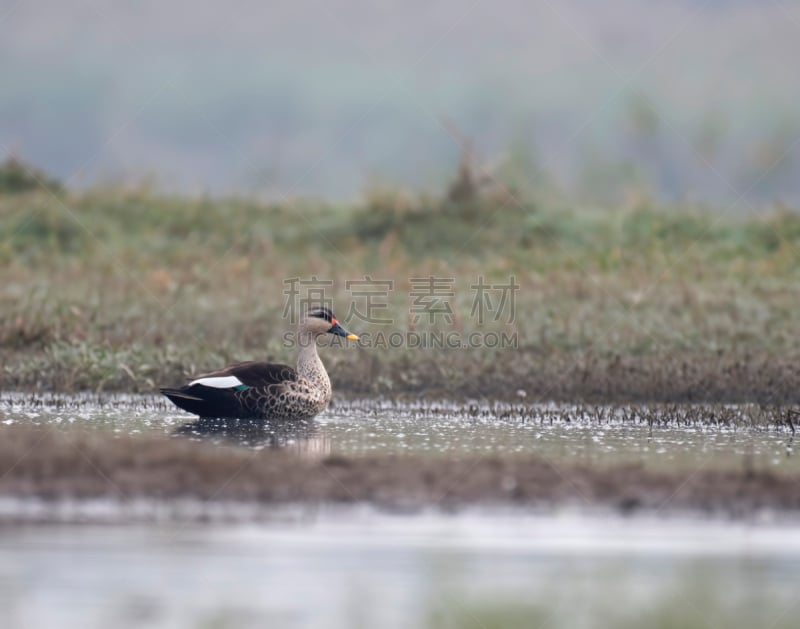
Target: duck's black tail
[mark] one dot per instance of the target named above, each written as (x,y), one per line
(204,401)
(185,400)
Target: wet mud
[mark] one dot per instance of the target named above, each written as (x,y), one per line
(61,464)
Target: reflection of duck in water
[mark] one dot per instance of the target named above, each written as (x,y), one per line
(253,390)
(300,436)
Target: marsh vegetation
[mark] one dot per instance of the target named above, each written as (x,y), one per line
(123,290)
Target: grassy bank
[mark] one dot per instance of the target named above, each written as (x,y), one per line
(128,290)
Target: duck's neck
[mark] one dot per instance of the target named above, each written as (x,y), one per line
(309,366)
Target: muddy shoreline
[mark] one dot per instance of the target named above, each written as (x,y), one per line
(729,377)
(57,465)
(528,375)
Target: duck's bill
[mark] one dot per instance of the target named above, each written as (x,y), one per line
(340,331)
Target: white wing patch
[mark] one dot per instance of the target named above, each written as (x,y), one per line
(219,382)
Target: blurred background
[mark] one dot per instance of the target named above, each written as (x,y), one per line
(599,154)
(689,100)
(169,169)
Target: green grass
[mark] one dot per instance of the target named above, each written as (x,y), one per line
(114,289)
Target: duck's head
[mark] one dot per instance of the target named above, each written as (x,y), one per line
(318,321)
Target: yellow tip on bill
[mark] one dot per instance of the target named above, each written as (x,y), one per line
(351,337)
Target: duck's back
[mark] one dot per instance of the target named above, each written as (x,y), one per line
(247,389)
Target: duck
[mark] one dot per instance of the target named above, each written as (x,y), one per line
(267,391)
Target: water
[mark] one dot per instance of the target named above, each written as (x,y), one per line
(556,432)
(358,568)
(308,566)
